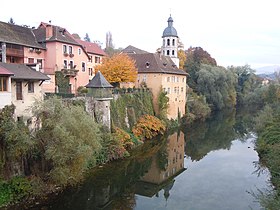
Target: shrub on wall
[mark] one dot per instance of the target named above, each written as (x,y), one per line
(128,108)
(148,127)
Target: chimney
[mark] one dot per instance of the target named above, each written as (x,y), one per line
(49,31)
(4,52)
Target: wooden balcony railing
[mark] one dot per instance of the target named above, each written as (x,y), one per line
(14,52)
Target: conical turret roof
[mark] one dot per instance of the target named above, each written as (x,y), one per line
(98,81)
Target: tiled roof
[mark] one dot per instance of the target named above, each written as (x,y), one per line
(24,72)
(133,50)
(4,71)
(155,63)
(58,34)
(91,47)
(15,34)
(99,81)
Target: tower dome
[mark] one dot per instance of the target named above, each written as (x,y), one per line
(169,30)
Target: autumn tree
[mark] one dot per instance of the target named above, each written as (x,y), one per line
(182,58)
(148,127)
(118,68)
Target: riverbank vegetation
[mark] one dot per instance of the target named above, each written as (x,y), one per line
(62,144)
(268,148)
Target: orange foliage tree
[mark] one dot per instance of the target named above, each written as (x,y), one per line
(148,127)
(182,58)
(118,68)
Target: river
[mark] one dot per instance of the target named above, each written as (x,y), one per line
(209,166)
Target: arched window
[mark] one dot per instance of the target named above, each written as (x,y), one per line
(168,42)
(173,52)
(167,52)
(163,42)
(173,42)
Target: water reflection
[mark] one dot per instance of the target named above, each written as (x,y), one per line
(220,161)
(166,164)
(214,134)
(114,185)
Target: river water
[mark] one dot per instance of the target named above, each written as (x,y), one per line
(210,166)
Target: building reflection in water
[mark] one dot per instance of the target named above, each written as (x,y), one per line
(166,165)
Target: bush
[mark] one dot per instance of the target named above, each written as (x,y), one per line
(148,127)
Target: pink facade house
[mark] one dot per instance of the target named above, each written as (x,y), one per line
(95,55)
(54,50)
(65,54)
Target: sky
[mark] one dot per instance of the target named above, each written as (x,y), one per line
(234,32)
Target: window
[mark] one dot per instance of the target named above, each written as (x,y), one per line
(30,87)
(182,89)
(90,72)
(83,66)
(145,78)
(3,83)
(12,59)
(19,90)
(30,60)
(64,49)
(163,42)
(177,79)
(70,50)
(168,90)
(79,51)
(183,79)
(173,52)
(168,42)
(40,62)
(168,79)
(90,58)
(97,59)
(167,52)
(71,64)
(173,42)
(65,64)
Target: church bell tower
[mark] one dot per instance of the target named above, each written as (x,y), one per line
(170,42)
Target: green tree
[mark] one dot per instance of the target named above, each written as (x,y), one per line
(247,82)
(86,38)
(69,140)
(195,57)
(11,21)
(217,85)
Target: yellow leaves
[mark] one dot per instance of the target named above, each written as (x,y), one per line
(124,138)
(182,58)
(118,68)
(148,127)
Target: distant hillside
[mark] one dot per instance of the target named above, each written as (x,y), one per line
(267,76)
(267,69)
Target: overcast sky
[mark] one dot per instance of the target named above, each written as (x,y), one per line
(234,32)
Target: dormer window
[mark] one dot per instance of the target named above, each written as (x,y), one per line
(147,65)
(62,31)
(164,64)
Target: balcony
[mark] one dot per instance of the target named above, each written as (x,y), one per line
(69,72)
(14,52)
